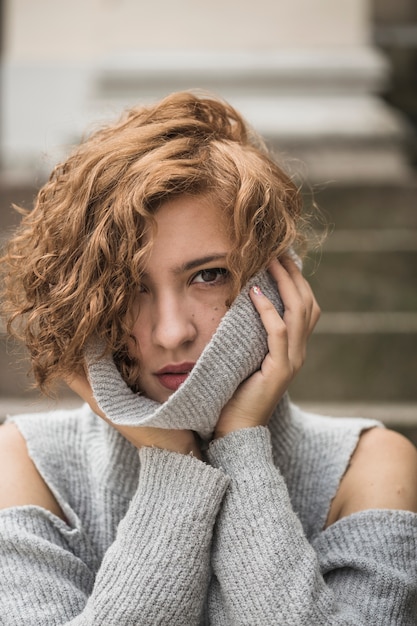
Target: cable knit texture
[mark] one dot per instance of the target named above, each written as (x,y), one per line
(159,538)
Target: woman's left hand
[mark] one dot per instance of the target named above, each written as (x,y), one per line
(255,399)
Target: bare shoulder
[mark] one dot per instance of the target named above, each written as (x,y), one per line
(382,475)
(20,481)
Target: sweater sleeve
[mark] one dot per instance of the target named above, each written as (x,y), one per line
(155,572)
(361,570)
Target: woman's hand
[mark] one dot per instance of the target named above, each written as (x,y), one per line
(182,441)
(255,399)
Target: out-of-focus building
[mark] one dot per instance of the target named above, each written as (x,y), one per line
(304,72)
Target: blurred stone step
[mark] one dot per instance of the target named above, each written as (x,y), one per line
(372,240)
(398,416)
(351,362)
(364,280)
(19,194)
(366,206)
(392,322)
(13,368)
(15,381)
(35,403)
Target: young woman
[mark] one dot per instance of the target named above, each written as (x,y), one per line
(155,275)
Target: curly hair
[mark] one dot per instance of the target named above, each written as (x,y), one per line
(73,266)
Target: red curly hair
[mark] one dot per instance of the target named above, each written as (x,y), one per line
(73,266)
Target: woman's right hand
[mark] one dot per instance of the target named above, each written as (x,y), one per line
(182,441)
(255,399)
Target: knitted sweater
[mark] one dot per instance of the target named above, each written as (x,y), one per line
(163,538)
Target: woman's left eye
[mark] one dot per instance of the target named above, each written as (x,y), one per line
(209,276)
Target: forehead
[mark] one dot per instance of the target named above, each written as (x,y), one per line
(196,219)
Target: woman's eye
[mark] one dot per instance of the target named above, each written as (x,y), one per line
(212,275)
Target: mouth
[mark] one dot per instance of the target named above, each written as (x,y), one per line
(174,375)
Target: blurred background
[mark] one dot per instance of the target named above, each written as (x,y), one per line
(332,86)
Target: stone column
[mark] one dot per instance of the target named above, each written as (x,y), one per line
(302,71)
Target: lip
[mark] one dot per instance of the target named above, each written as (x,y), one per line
(173,375)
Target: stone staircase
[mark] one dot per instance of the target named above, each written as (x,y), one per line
(362,358)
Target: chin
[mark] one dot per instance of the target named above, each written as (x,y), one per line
(156,396)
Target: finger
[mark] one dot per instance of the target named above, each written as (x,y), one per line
(285,279)
(297,302)
(296,292)
(315,316)
(275,327)
(310,304)
(300,282)
(301,309)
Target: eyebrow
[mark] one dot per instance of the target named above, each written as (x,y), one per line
(190,265)
(193,263)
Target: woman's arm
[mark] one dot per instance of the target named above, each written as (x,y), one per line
(155,571)
(360,570)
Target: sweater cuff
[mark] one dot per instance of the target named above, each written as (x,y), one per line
(247,448)
(173,480)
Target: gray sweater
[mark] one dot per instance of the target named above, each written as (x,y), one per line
(162,538)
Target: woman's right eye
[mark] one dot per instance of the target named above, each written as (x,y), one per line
(210,276)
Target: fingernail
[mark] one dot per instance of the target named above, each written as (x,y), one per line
(256,290)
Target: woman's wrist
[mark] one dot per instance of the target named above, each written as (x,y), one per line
(232,427)
(180,441)
(233,418)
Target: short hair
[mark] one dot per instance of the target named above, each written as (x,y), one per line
(75,262)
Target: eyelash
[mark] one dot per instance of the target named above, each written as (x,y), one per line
(222,274)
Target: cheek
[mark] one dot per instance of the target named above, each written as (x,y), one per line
(210,319)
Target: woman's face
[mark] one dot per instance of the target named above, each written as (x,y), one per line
(183,295)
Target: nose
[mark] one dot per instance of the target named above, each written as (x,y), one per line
(172,323)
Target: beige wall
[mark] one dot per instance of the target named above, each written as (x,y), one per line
(84,29)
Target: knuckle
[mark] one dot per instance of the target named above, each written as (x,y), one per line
(316,307)
(298,361)
(281,331)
